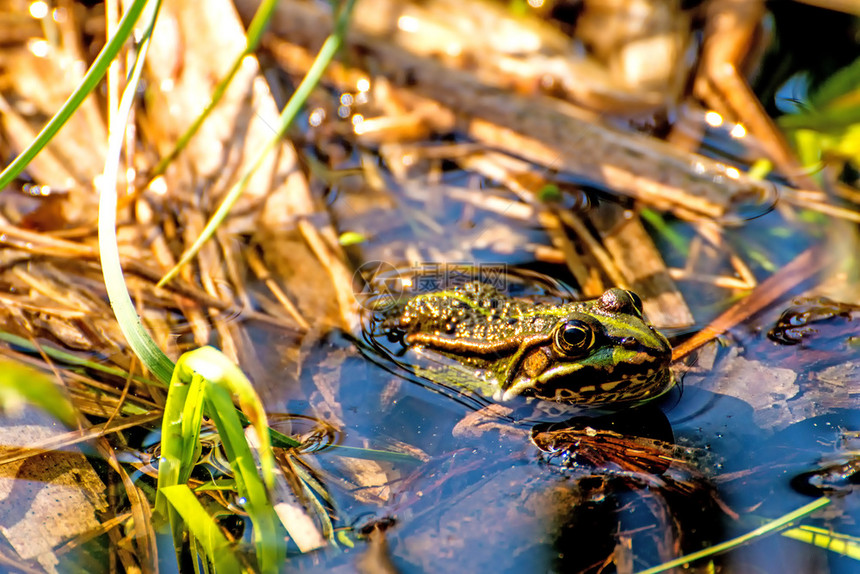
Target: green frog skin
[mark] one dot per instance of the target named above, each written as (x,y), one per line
(599,352)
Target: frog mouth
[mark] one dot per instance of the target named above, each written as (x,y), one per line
(639,376)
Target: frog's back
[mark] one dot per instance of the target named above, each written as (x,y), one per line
(476,311)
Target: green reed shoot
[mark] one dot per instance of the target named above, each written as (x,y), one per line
(205,377)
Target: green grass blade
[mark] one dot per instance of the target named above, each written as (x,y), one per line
(179,439)
(71,359)
(311,79)
(20,383)
(840,543)
(268,537)
(141,343)
(808,146)
(180,448)
(658,222)
(254,35)
(204,528)
(220,372)
(371,454)
(827,120)
(89,82)
(206,377)
(769,528)
(139,340)
(844,81)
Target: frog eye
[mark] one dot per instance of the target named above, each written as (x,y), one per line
(574,337)
(637,301)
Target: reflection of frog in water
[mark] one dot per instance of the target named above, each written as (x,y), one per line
(599,352)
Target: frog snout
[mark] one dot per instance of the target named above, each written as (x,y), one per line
(661,352)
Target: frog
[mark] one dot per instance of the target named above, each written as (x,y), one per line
(600,352)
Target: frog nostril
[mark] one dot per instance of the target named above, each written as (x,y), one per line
(629,342)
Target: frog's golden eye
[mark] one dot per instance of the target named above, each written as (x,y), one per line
(574,337)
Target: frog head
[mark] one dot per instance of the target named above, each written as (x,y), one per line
(597,352)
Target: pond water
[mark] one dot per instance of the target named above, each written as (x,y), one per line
(762,420)
(759,424)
